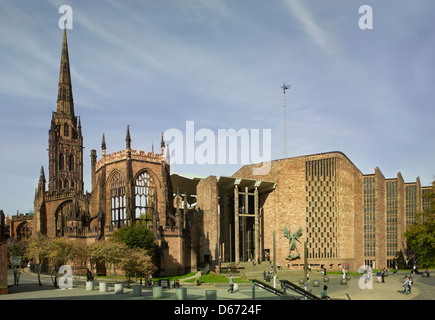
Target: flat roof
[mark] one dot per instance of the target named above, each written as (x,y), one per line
(188,183)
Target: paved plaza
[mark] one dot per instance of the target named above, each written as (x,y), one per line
(423,289)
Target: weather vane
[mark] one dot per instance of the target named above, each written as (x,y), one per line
(285,87)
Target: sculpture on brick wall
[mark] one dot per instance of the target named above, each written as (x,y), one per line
(292,241)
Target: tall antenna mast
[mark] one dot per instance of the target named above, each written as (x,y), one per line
(284,88)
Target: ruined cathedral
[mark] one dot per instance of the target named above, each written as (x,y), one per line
(127,185)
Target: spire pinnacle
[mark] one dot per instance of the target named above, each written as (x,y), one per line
(128,138)
(42,175)
(103,145)
(65,103)
(162,145)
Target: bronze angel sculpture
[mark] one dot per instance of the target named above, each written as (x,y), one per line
(292,240)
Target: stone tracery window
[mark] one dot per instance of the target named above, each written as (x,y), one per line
(117,200)
(23,231)
(145,198)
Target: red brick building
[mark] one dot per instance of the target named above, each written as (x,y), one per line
(346,217)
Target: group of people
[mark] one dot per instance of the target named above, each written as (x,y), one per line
(380,274)
(407,284)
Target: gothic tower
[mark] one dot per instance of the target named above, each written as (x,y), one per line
(65,136)
(63,210)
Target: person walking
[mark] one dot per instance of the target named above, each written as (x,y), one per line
(410,283)
(231,289)
(405,285)
(383,275)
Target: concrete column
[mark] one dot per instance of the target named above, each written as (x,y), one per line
(224,219)
(236,224)
(257,226)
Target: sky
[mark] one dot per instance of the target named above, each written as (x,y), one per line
(155,65)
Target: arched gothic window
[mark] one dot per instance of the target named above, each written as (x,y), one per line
(23,231)
(117,200)
(145,198)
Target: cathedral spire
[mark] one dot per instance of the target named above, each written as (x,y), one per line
(65,103)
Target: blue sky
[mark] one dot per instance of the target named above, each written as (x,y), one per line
(156,64)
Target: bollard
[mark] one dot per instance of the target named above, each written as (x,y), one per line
(157,292)
(343,281)
(119,288)
(103,287)
(137,290)
(316,283)
(325,279)
(89,285)
(181,293)
(210,295)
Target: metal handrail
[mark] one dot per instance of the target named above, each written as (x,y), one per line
(267,287)
(287,284)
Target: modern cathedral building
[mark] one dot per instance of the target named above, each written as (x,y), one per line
(346,217)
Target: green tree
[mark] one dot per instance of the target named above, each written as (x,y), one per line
(137,263)
(79,255)
(38,250)
(60,250)
(16,252)
(420,236)
(136,236)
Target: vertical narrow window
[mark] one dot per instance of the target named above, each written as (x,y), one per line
(71,162)
(145,198)
(369,216)
(66,130)
(61,161)
(117,200)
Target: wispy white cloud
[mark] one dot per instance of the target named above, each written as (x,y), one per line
(310,25)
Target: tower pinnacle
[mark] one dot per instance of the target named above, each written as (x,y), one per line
(65,102)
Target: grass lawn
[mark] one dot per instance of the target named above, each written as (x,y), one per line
(217,278)
(171,278)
